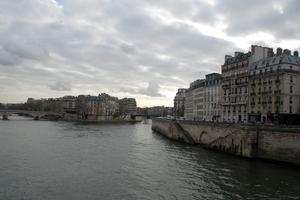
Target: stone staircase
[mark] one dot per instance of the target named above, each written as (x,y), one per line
(220,140)
(186,134)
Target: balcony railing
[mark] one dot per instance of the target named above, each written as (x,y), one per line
(277,91)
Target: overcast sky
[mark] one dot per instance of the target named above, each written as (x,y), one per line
(144,49)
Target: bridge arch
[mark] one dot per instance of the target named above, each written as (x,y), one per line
(204,138)
(34,114)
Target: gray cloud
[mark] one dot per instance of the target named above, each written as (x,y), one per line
(100,46)
(128,49)
(62,84)
(152,90)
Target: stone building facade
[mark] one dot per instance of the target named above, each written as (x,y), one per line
(274,89)
(179,102)
(235,83)
(212,97)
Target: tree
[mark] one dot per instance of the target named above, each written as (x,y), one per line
(2,106)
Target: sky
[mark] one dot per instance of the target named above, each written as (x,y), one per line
(135,48)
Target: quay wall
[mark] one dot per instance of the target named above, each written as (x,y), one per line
(277,143)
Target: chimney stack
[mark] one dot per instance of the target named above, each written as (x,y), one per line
(227,57)
(279,51)
(286,51)
(270,52)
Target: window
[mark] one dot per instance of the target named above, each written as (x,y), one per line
(291,67)
(291,109)
(291,89)
(291,79)
(291,99)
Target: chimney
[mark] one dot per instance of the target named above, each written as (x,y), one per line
(296,54)
(279,51)
(286,51)
(236,53)
(270,52)
(227,57)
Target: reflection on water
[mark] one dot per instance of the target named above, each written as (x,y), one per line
(66,160)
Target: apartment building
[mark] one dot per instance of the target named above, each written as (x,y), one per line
(235,87)
(212,97)
(274,89)
(179,102)
(203,99)
(193,104)
(127,106)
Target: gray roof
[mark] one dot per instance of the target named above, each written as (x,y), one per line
(276,60)
(239,57)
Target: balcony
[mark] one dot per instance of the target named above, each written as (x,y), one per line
(269,102)
(259,102)
(270,82)
(253,84)
(265,82)
(259,83)
(253,93)
(252,103)
(277,81)
(277,91)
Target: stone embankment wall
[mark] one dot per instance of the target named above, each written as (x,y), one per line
(278,143)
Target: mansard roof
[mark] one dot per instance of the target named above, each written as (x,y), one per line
(239,57)
(276,60)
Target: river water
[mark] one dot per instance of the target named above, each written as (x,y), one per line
(69,160)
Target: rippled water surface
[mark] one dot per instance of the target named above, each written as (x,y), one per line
(67,160)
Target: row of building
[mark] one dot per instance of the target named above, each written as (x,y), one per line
(85,106)
(257,86)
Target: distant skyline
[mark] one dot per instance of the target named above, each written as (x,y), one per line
(137,49)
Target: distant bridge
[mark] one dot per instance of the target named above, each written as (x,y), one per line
(35,114)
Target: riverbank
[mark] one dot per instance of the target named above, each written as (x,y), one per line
(274,143)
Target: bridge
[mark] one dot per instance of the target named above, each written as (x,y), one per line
(35,114)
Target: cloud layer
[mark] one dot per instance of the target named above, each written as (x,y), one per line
(133,49)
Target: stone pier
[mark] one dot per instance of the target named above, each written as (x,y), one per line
(277,143)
